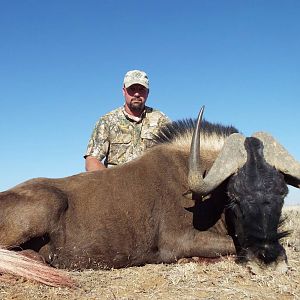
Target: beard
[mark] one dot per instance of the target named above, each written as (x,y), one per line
(137,105)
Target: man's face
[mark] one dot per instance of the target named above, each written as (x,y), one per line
(135,97)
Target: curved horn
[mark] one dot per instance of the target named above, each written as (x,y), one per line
(195,179)
(276,155)
(232,156)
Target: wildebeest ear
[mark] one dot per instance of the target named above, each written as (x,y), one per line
(292,181)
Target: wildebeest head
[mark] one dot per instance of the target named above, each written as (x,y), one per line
(256,193)
(258,169)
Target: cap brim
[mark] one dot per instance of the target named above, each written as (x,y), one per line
(128,84)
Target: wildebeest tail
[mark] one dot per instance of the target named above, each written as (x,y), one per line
(14,263)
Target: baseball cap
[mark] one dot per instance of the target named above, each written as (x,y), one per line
(136,77)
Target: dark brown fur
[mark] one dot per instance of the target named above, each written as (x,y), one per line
(130,215)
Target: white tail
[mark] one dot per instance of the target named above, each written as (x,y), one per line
(16,264)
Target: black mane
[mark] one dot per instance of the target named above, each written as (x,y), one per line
(179,128)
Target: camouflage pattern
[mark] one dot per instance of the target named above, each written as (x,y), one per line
(136,77)
(118,138)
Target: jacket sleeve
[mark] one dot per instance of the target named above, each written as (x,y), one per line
(98,145)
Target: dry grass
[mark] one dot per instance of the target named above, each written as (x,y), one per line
(221,280)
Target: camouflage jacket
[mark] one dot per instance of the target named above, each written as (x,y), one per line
(118,138)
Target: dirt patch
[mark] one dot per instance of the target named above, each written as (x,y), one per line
(220,280)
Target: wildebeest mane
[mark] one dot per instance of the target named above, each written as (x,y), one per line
(183,130)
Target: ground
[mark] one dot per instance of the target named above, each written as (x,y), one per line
(222,280)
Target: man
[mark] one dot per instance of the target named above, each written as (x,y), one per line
(124,133)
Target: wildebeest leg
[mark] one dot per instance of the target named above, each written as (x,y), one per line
(191,242)
(29,212)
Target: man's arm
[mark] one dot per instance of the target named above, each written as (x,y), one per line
(93,164)
(97,147)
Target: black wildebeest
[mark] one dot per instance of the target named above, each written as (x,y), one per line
(142,212)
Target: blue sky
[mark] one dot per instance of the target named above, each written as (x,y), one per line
(62,64)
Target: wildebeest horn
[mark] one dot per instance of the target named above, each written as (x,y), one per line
(232,156)
(276,155)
